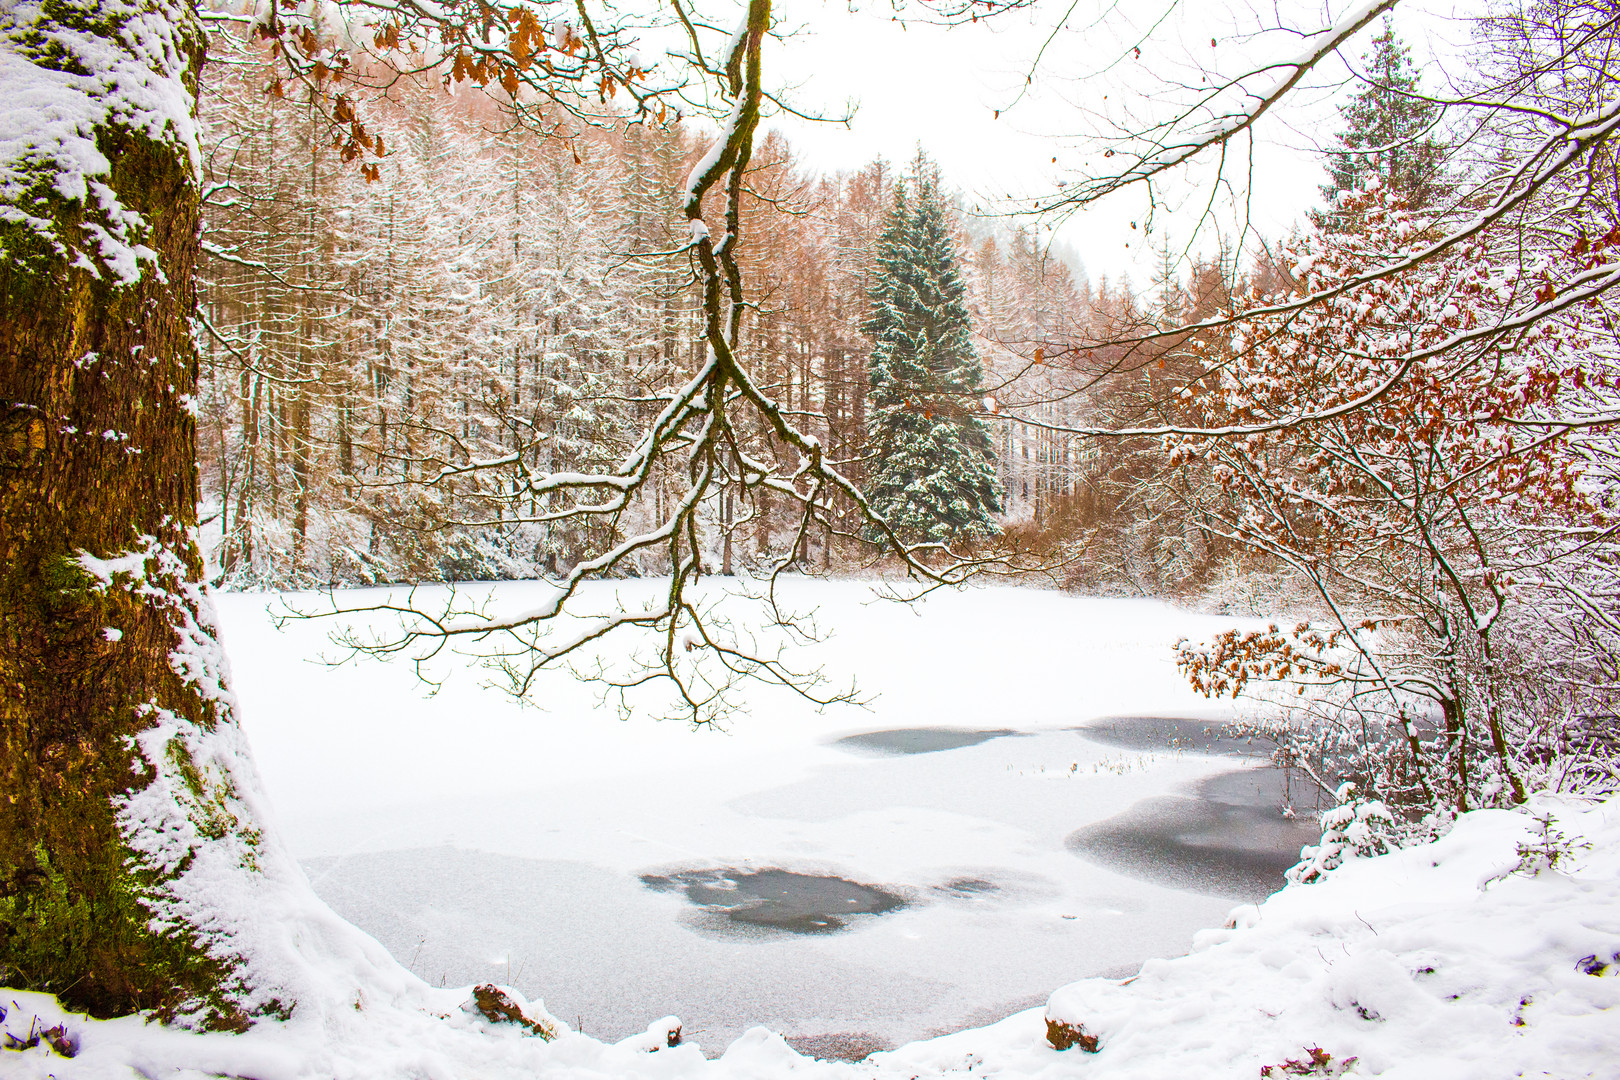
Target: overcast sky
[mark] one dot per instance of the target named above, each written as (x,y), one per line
(916,82)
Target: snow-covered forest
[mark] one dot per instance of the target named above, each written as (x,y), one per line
(841,606)
(496,291)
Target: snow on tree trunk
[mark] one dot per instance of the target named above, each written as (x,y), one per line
(136,869)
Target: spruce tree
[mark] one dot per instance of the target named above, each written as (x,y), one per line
(933,469)
(1388,128)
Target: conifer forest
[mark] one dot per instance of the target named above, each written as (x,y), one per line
(927,581)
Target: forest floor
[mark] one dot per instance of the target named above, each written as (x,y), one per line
(626,869)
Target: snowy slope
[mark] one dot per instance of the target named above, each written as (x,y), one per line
(1436,962)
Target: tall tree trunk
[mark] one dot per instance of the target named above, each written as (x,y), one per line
(301,437)
(241,549)
(129,809)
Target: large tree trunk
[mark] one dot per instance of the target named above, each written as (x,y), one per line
(98,608)
(135,871)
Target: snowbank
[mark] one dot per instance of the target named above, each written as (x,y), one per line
(1469,957)
(1453,959)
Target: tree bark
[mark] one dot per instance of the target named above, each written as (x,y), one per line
(111,687)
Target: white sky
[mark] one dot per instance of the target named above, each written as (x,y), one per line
(942,87)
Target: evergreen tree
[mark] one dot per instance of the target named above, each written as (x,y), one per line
(1387,129)
(933,467)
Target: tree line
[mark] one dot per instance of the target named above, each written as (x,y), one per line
(1395,434)
(501,295)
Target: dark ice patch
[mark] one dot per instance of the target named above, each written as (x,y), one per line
(1230,839)
(778,899)
(925,740)
(1170,733)
(968,888)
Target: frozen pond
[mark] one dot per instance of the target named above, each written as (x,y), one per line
(851,884)
(845,964)
(877,900)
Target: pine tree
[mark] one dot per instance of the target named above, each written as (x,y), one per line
(1387,129)
(933,467)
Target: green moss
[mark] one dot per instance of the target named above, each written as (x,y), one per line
(180,758)
(29,245)
(49,930)
(64,577)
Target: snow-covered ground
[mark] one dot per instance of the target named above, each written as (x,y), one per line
(479,841)
(1452,961)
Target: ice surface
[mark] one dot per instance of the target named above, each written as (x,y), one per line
(478,840)
(1227,836)
(1207,844)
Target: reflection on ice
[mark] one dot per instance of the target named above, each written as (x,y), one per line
(1169,733)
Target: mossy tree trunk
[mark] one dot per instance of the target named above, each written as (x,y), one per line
(110,685)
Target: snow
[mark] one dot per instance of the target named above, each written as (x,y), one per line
(1435,962)
(711,158)
(1422,962)
(50,114)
